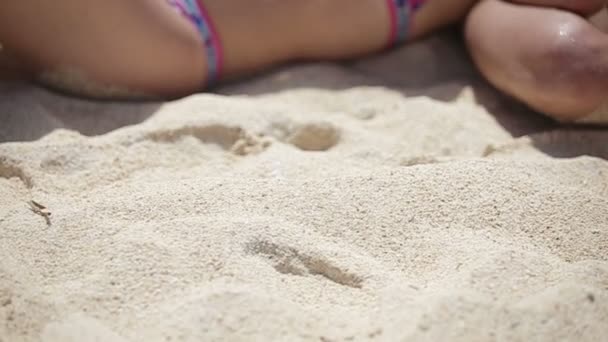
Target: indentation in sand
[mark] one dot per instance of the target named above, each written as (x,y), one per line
(306,136)
(230,138)
(319,136)
(424,160)
(79,328)
(10,169)
(289,260)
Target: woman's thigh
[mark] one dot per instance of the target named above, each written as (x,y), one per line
(143,46)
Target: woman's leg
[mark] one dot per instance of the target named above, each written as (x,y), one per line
(553,60)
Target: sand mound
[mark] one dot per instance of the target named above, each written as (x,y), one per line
(322,203)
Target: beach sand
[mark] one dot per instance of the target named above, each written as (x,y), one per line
(394,198)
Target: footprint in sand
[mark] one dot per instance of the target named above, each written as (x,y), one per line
(230,138)
(10,169)
(289,260)
(79,328)
(319,136)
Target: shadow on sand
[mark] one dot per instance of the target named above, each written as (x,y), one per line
(437,67)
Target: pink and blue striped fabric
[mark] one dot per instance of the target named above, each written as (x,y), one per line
(196,13)
(401,12)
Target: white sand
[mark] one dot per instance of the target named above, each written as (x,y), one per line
(382,200)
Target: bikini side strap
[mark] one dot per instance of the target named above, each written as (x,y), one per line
(197,14)
(400,12)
